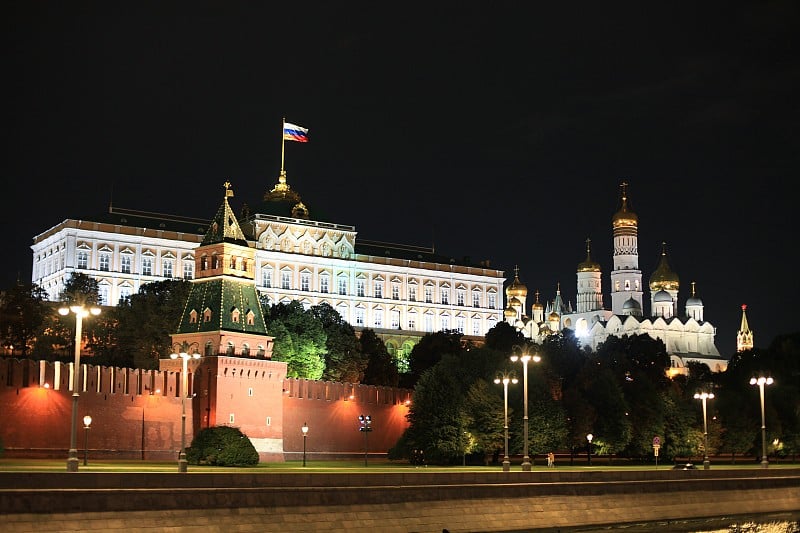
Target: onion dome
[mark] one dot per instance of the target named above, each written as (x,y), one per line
(514,302)
(554,316)
(631,304)
(537,304)
(624,217)
(694,300)
(664,278)
(588,265)
(661,297)
(510,313)
(517,288)
(282,200)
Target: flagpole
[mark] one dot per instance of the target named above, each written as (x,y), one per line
(283,142)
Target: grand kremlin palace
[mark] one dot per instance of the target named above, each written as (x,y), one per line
(401,292)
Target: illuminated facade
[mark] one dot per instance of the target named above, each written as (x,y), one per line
(687,336)
(402,292)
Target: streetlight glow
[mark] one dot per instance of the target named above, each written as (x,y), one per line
(80,313)
(525,357)
(87,421)
(505,381)
(703,397)
(183,353)
(589,438)
(304,429)
(761,381)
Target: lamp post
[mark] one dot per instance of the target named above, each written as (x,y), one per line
(525,357)
(366,427)
(505,381)
(703,396)
(87,421)
(80,313)
(183,353)
(304,429)
(589,438)
(761,381)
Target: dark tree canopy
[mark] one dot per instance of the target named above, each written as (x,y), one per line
(430,350)
(381,368)
(23,309)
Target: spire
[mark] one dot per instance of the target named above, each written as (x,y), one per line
(744,337)
(224,226)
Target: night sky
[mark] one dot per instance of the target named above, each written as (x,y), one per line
(491,130)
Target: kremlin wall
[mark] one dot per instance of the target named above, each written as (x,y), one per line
(136,414)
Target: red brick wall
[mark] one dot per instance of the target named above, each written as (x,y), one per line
(136,414)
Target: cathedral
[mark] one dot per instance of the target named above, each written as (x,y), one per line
(685,332)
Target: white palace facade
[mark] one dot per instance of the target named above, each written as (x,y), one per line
(402,292)
(686,335)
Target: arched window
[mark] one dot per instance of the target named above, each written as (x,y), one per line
(229,350)
(209,349)
(245,350)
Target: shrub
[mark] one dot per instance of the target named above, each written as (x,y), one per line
(222,446)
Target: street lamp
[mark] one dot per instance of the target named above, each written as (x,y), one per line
(705,396)
(525,357)
(183,353)
(80,313)
(761,381)
(589,438)
(304,429)
(505,381)
(87,421)
(366,427)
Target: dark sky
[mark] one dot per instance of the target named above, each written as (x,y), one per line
(492,130)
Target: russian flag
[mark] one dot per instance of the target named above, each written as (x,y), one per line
(293,132)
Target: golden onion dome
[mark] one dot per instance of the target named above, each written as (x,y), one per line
(554,316)
(664,278)
(588,265)
(517,288)
(624,217)
(510,313)
(514,302)
(537,305)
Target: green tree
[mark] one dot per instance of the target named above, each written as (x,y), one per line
(138,331)
(484,416)
(22,315)
(381,368)
(436,417)
(299,340)
(344,361)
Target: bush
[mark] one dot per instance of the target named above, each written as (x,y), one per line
(222,446)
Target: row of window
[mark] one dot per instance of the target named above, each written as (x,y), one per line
(126,264)
(324,284)
(430,322)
